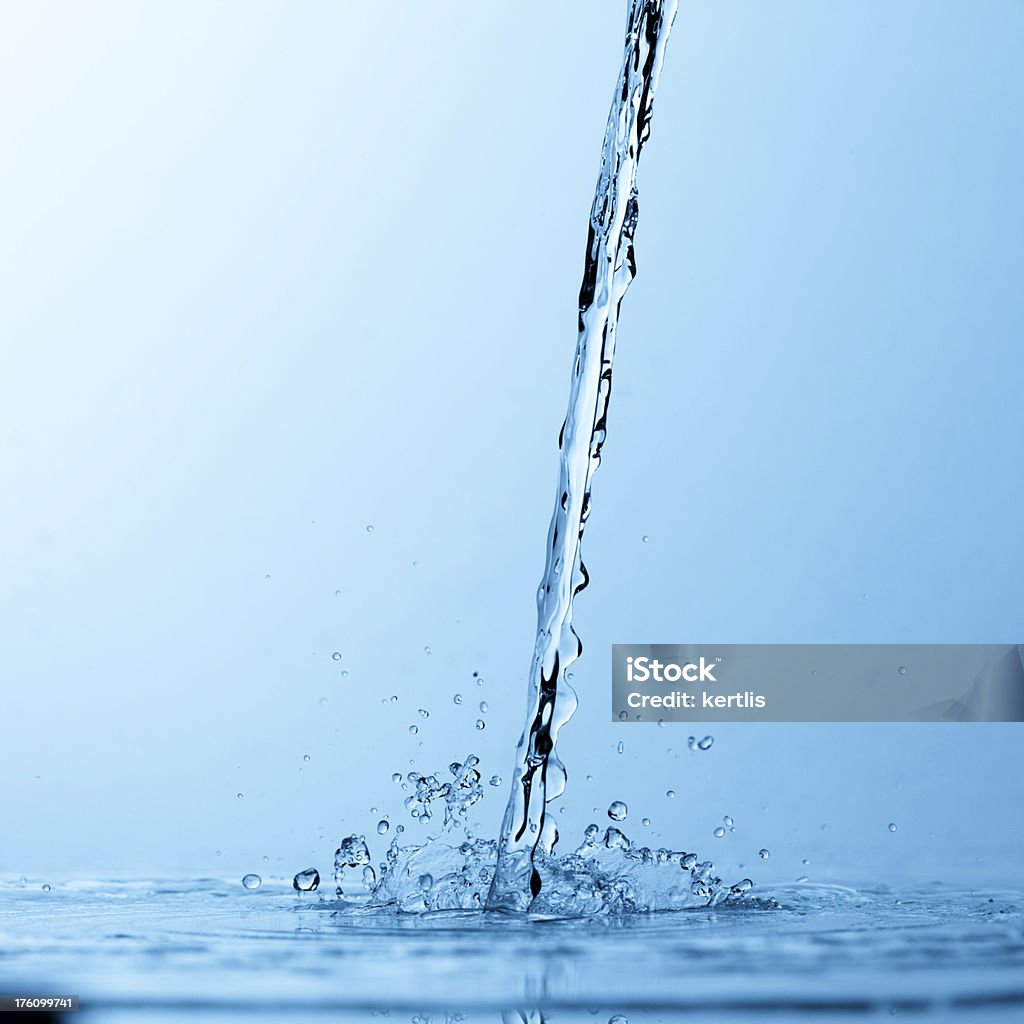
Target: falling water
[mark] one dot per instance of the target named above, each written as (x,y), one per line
(609,268)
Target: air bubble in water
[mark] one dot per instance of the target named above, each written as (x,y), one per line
(481,724)
(892,826)
(495,780)
(336,655)
(617,811)
(764,854)
(705,744)
(719,832)
(251,881)
(382,827)
(306,881)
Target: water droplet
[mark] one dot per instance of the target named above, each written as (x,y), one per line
(644,539)
(305,757)
(46,887)
(217,852)
(251,881)
(323,700)
(337,593)
(623,716)
(426,882)
(336,655)
(805,861)
(646,822)
(719,832)
(670,793)
(618,1019)
(344,673)
(426,650)
(240,796)
(705,744)
(764,854)
(620,747)
(457,699)
(424,713)
(306,881)
(495,780)
(268,576)
(617,811)
(803,878)
(369,527)
(727,820)
(414,729)
(481,724)
(902,670)
(892,826)
(399,829)
(394,698)
(483,707)
(383,826)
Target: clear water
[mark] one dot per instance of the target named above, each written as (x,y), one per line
(211,950)
(609,267)
(604,928)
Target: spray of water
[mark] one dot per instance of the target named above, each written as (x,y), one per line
(609,268)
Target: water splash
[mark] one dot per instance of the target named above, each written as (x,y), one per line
(454,869)
(609,268)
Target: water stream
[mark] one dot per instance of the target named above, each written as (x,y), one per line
(609,268)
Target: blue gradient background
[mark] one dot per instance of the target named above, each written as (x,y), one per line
(273,272)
